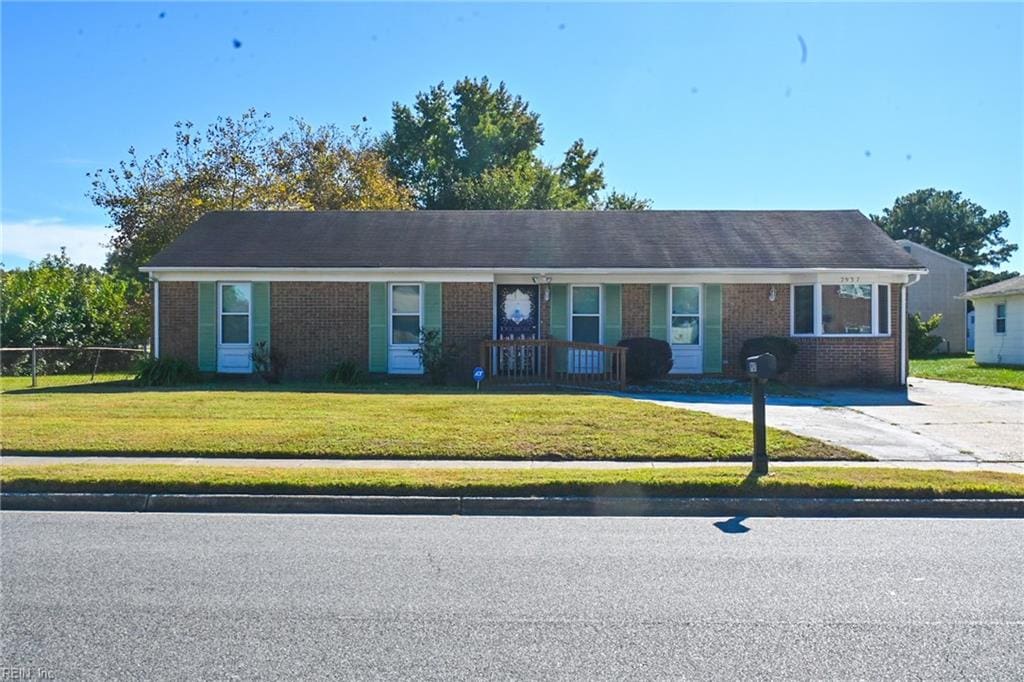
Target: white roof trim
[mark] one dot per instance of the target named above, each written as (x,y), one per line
(537,271)
(577,275)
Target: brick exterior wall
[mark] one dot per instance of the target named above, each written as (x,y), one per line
(316,325)
(179,321)
(466,320)
(636,310)
(747,313)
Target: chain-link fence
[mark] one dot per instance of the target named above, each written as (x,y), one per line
(46,366)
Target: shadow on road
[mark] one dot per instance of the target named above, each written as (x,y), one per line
(733,525)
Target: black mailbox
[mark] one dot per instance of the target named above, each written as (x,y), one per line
(761,366)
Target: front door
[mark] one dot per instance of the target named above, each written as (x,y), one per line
(685,312)
(234,328)
(585,323)
(518,316)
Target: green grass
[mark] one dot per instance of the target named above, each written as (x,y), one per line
(965,370)
(253,422)
(706,481)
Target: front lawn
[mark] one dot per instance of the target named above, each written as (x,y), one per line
(707,481)
(965,370)
(291,423)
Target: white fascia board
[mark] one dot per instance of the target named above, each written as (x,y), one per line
(315,275)
(526,275)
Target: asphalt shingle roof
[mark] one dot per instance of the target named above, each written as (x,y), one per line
(1014,285)
(537,240)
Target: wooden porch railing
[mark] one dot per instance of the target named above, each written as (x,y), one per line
(552,361)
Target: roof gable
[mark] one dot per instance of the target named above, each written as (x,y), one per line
(933,252)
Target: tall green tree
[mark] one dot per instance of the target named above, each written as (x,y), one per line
(952,225)
(238,164)
(476,146)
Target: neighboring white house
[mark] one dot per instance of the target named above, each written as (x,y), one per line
(940,291)
(999,322)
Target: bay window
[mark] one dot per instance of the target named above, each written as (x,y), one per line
(840,310)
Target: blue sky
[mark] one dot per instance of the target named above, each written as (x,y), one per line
(691,105)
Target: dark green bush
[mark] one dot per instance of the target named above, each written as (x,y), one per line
(437,356)
(920,342)
(345,372)
(268,362)
(782,348)
(151,371)
(647,360)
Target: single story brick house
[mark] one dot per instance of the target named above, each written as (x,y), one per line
(326,286)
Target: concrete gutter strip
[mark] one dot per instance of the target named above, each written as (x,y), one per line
(512,506)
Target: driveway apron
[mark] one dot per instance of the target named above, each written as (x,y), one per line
(932,421)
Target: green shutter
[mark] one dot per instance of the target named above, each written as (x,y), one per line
(207,339)
(612,314)
(378,327)
(261,313)
(659,312)
(559,322)
(432,306)
(712,328)
(559,311)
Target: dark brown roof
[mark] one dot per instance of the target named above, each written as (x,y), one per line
(1014,285)
(536,240)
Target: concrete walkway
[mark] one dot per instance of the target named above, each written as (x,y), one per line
(935,421)
(297,463)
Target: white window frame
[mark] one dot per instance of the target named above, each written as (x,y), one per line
(819,326)
(599,315)
(221,314)
(392,313)
(700,315)
(1003,318)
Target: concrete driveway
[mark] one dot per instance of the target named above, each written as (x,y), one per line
(935,421)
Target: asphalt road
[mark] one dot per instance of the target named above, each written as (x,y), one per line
(159,596)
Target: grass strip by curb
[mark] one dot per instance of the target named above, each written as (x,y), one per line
(819,482)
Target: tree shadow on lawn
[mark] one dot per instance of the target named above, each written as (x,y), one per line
(297,387)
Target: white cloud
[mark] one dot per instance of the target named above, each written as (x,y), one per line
(30,240)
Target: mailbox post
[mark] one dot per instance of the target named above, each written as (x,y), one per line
(760,368)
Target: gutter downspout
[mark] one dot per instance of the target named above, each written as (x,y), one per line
(156,318)
(904,359)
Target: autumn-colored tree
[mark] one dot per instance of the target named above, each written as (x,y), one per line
(238,164)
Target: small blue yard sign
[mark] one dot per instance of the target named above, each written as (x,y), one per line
(478,376)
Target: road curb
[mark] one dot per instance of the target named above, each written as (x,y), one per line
(512,506)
